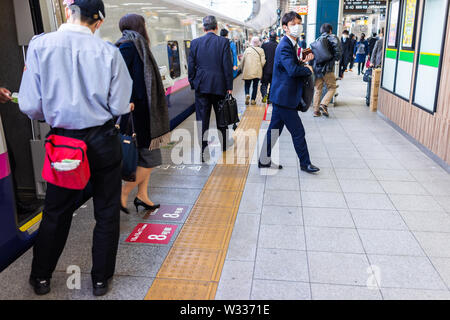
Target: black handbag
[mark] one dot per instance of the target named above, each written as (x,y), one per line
(129,150)
(227,112)
(308,94)
(321,50)
(367,75)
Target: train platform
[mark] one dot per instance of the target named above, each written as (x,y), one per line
(373,224)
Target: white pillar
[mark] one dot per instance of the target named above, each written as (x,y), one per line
(312,21)
(340,25)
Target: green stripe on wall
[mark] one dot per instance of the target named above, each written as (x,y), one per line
(429,60)
(391,53)
(407,56)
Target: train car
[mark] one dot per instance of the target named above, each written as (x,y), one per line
(171,27)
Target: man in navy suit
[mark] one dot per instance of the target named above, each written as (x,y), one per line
(286,95)
(210,74)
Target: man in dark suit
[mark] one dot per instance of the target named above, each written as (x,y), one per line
(286,95)
(211,75)
(269,51)
(347,52)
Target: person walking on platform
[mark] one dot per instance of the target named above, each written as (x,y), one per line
(371,41)
(325,72)
(150,114)
(360,53)
(286,94)
(352,48)
(302,42)
(252,69)
(347,53)
(224,33)
(377,53)
(210,73)
(269,52)
(77,83)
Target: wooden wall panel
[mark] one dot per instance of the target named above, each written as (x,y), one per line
(431,130)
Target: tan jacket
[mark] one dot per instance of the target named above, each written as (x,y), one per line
(252,63)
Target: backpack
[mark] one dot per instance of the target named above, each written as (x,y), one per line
(361,48)
(321,50)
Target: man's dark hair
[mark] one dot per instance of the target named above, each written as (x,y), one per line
(345,32)
(326,28)
(224,33)
(303,37)
(209,23)
(374,34)
(290,16)
(273,35)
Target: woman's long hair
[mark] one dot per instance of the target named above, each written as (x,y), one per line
(134,22)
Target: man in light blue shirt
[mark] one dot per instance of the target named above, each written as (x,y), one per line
(77,83)
(74,80)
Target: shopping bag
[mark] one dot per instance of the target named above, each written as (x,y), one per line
(129,150)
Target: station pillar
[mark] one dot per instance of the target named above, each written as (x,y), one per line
(324,11)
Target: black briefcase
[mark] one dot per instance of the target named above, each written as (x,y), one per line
(308,94)
(228,112)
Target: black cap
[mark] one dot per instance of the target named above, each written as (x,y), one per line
(94,9)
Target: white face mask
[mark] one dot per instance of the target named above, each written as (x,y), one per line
(296,30)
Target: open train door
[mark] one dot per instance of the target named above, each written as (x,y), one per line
(23,139)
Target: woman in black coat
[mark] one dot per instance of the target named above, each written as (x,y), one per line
(147,159)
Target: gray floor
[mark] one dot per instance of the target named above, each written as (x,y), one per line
(374,224)
(379,206)
(137,264)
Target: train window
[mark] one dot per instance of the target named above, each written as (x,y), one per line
(174,59)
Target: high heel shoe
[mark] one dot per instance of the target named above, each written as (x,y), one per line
(139,203)
(125,210)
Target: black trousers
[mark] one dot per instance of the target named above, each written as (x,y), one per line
(248,84)
(264,85)
(282,117)
(343,66)
(361,66)
(105,161)
(204,102)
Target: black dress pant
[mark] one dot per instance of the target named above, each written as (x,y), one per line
(343,66)
(105,161)
(204,102)
(265,85)
(281,117)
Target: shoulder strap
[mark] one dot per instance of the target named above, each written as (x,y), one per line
(258,54)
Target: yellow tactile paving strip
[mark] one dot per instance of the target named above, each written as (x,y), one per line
(193,266)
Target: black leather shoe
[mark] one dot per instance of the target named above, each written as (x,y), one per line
(100,288)
(269,165)
(40,286)
(310,169)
